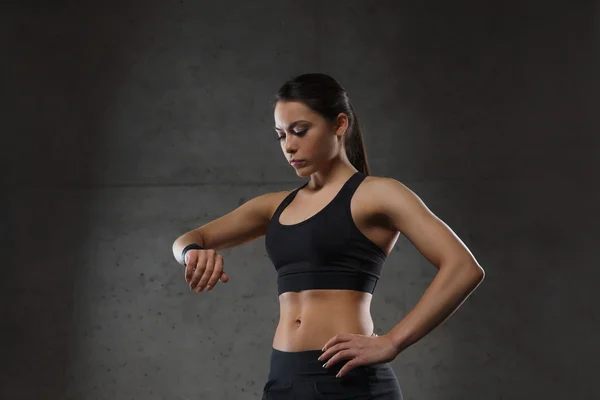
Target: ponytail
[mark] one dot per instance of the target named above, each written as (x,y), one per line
(355,146)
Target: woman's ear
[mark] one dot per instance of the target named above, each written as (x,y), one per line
(341,125)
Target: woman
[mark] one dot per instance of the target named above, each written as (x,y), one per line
(328,240)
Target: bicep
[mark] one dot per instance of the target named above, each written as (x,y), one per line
(410,215)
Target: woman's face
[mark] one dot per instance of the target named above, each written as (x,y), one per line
(305,135)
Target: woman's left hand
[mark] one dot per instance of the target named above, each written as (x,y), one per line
(359,349)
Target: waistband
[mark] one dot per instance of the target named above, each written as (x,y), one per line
(305,364)
(299,363)
(326,280)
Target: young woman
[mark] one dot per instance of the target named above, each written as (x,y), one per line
(328,240)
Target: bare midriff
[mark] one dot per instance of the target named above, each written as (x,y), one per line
(308,319)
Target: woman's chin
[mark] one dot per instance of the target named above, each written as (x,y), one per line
(302,171)
(303,174)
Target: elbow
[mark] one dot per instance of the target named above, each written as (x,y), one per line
(480,272)
(478,275)
(471,272)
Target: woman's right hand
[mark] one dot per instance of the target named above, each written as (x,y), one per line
(204,268)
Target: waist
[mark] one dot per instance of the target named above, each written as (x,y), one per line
(310,318)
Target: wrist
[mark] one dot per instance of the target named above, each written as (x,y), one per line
(400,341)
(191,246)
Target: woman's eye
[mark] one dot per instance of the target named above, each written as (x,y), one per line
(300,133)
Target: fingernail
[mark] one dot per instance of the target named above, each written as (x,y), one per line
(208,288)
(325,365)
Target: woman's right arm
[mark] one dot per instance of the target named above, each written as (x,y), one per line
(242,225)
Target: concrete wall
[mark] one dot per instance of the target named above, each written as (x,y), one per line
(128,123)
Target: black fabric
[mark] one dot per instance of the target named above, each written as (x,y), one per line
(301,376)
(325,251)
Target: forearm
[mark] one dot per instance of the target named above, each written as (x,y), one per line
(184,240)
(451,286)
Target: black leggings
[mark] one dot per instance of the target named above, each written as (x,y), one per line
(301,376)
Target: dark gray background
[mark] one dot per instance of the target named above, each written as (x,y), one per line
(126,124)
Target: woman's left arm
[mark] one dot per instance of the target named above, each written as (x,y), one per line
(459,273)
(458,276)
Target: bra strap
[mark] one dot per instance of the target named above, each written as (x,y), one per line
(288,199)
(354,182)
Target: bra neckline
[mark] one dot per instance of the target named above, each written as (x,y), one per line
(338,194)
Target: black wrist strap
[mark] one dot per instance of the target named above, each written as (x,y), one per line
(192,246)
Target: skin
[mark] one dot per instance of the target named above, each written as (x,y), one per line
(339,321)
(309,318)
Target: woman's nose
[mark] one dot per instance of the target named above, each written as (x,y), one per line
(290,146)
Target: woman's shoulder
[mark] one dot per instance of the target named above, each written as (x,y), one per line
(272,200)
(377,192)
(382,183)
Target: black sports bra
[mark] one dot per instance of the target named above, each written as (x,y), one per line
(325,251)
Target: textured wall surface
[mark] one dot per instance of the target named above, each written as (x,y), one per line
(127,124)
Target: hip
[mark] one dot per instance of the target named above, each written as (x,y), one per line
(300,375)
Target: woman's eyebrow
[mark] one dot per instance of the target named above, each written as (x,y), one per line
(291,125)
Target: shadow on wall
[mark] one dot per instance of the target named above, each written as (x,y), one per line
(61,76)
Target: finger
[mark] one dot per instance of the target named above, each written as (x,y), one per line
(190,265)
(341,337)
(349,366)
(334,349)
(217,271)
(200,266)
(341,355)
(224,277)
(208,270)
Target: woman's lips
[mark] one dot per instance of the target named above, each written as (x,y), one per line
(296,163)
